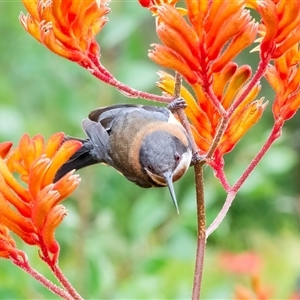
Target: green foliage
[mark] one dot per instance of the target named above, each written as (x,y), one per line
(121,241)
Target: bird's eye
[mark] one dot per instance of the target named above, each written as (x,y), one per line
(177,157)
(149,167)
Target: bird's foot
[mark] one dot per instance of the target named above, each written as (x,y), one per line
(176,104)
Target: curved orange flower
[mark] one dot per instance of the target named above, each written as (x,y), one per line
(32,210)
(8,247)
(66,27)
(280,29)
(284,78)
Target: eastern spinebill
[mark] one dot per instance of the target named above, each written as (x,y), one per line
(144,143)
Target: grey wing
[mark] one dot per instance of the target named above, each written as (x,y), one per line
(98,137)
(106,115)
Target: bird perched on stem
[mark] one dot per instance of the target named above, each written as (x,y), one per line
(146,144)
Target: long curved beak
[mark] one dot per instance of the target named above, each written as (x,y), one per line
(168,177)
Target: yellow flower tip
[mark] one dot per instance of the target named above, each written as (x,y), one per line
(255,49)
(67,184)
(23,20)
(30,25)
(240,124)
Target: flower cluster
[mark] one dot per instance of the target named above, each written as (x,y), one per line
(68,28)
(30,207)
(201,40)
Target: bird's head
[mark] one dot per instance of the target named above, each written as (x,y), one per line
(165,158)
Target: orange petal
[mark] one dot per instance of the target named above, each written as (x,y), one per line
(36,176)
(49,40)
(202,143)
(28,155)
(13,158)
(173,19)
(54,143)
(54,218)
(174,40)
(39,144)
(66,185)
(221,13)
(22,207)
(289,18)
(13,183)
(168,58)
(31,6)
(267,10)
(197,10)
(248,99)
(274,80)
(236,45)
(31,25)
(221,79)
(229,30)
(4,235)
(66,150)
(294,82)
(289,109)
(42,205)
(240,77)
(203,101)
(5,148)
(289,42)
(15,222)
(239,125)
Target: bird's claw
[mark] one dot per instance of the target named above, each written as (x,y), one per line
(176,104)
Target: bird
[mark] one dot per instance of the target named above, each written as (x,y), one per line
(146,144)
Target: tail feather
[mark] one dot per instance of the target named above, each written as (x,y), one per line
(93,149)
(82,158)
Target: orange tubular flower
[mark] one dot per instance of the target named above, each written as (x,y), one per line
(284,77)
(280,29)
(32,211)
(8,248)
(66,27)
(200,42)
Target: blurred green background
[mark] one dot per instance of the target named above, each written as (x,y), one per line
(123,242)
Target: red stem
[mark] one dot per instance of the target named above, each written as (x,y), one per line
(52,264)
(275,133)
(24,265)
(101,73)
(217,104)
(65,283)
(206,83)
(219,173)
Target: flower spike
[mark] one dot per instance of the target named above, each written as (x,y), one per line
(33,212)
